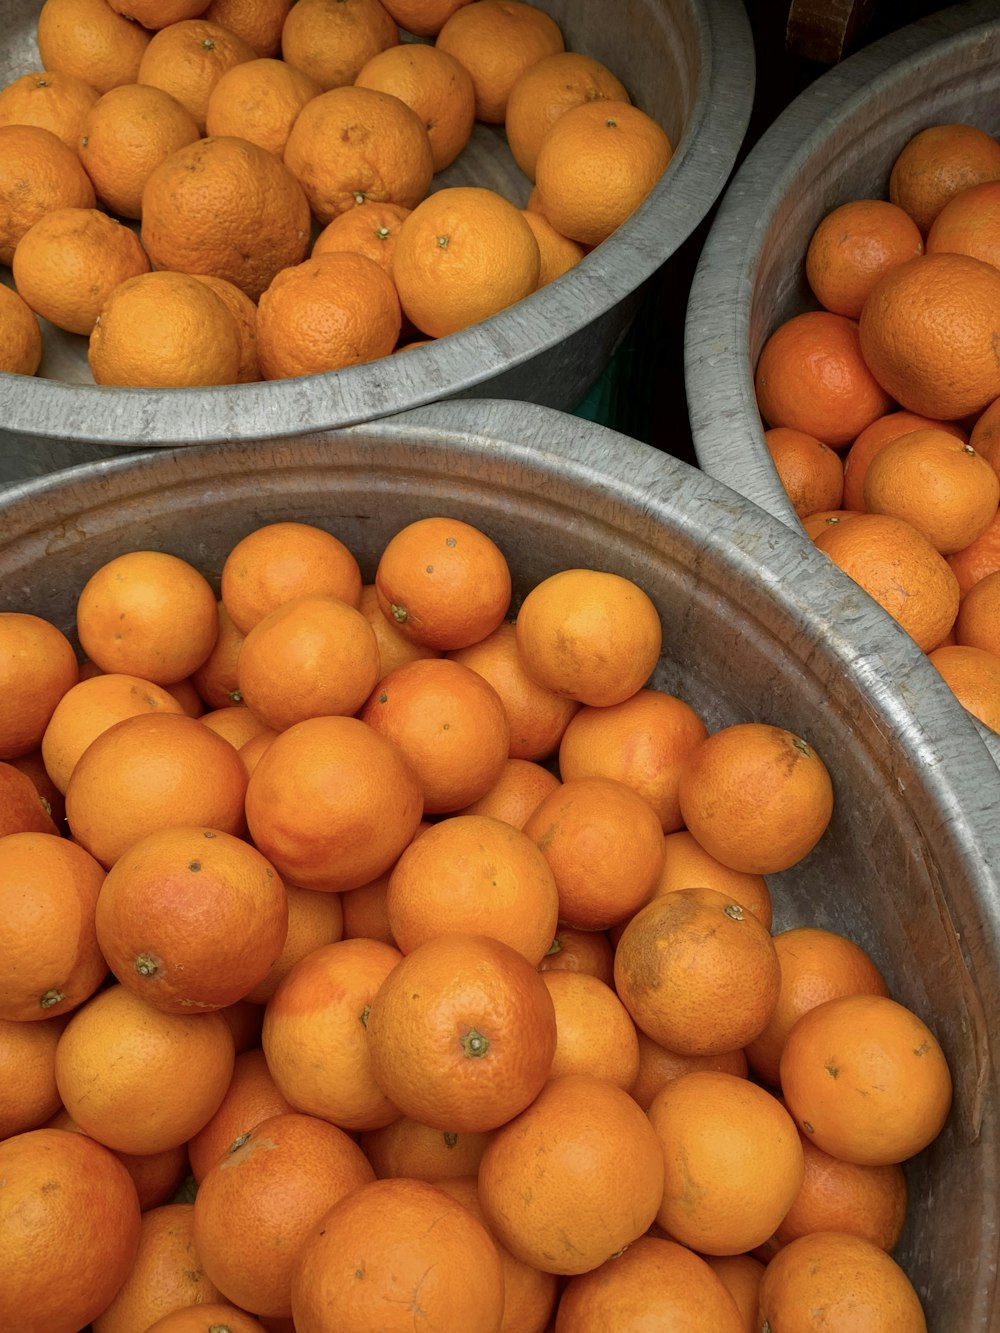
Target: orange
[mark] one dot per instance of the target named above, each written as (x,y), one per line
(573,1179)
(450,725)
(424,18)
(437,87)
(544,91)
(245,1022)
(278,561)
(20,335)
(939,484)
(557,253)
(407,1148)
(816,523)
(334,310)
(32,766)
(150,772)
(416,1248)
(332,803)
(91,40)
(393,645)
(252,1096)
(926,333)
(816,965)
(268,225)
(368,229)
(852,1281)
(516,793)
(740,1274)
(68,262)
(461,1033)
(654,1283)
(22,807)
(207,1318)
(37,667)
(978,621)
(157,1176)
(258,22)
(53,99)
(257,1204)
(900,569)
(167,1274)
(937,163)
(215,679)
(574,950)
(236,724)
(811,474)
(315,1033)
(28,1091)
(50,960)
(604,845)
(973,675)
(244,314)
(812,375)
(757,797)
(184,692)
(38,173)
(314,919)
(331,40)
(644,742)
(188,58)
(985,435)
(190,919)
(70,1221)
(874,438)
(594,1031)
(686,864)
(658,1066)
(473,874)
(866,1079)
(978,559)
(158,13)
(464,253)
(127,133)
(595,166)
(164,330)
(259,100)
(853,246)
(355,145)
(444,583)
(967,224)
(497,40)
(697,973)
(589,634)
(365,913)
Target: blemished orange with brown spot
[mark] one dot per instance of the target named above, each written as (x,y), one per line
(655,1279)
(314,919)
(167,1274)
(596,164)
(102,1071)
(53,1281)
(811,375)
(258,22)
(257,1204)
(420,1152)
(464,253)
(90,39)
(658,1065)
(127,133)
(368,229)
(557,253)
(473,874)
(697,973)
(835,1272)
(185,196)
(816,965)
(866,1079)
(206,1318)
(874,438)
(244,313)
(604,845)
(939,484)
(643,741)
(497,41)
(853,246)
(544,91)
(573,1179)
(28,1092)
(50,959)
(355,145)
(22,807)
(687,864)
(20,335)
(252,1096)
(740,1274)
(315,1034)
(37,667)
(589,634)
(51,98)
(757,797)
(810,472)
(38,173)
(278,561)
(594,1031)
(936,164)
(967,225)
(973,674)
(437,87)
(517,792)
(188,58)
(424,18)
(897,566)
(332,42)
(575,950)
(416,1246)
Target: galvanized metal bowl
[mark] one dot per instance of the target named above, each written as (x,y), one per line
(688,63)
(757,625)
(837,141)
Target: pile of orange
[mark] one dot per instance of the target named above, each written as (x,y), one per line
(390,951)
(882,407)
(217,193)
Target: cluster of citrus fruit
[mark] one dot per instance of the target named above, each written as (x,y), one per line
(883,406)
(425,946)
(277,161)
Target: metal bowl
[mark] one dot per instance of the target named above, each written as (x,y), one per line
(688,63)
(758,625)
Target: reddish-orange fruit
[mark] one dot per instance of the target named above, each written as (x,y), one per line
(37,667)
(215,679)
(811,474)
(658,1065)
(278,561)
(38,173)
(594,1031)
(314,919)
(436,85)
(22,808)
(407,1148)
(208,1318)
(967,224)
(978,621)
(496,42)
(415,1246)
(157,1176)
(973,675)
(461,1033)
(28,1091)
(876,437)
(236,724)
(853,246)
(686,864)
(332,42)
(517,792)
(90,39)
(70,1221)
(740,1274)
(574,1178)
(977,560)
(575,950)
(252,1096)
(938,162)
(20,335)
(259,100)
